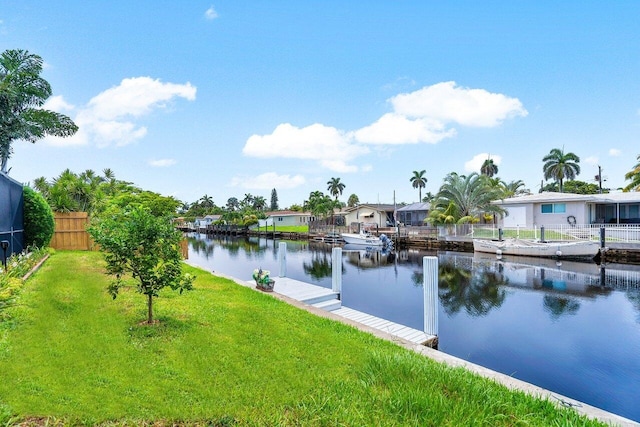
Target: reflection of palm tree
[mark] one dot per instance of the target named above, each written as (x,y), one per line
(559,306)
(320,267)
(477,292)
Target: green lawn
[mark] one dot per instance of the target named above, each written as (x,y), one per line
(223,354)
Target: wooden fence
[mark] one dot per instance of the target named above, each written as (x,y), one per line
(71,231)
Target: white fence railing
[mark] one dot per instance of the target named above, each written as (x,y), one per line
(620,233)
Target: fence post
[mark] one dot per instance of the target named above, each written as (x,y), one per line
(282,258)
(542,233)
(430,286)
(336,271)
(500,234)
(602,237)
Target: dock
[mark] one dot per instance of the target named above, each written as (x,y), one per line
(328,300)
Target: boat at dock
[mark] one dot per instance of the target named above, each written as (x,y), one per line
(367,239)
(536,248)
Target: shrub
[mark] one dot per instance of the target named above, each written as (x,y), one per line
(38,220)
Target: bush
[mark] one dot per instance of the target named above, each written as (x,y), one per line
(38,220)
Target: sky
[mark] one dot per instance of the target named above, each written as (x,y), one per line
(240,97)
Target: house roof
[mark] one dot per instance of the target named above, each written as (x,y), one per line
(415,207)
(287,213)
(551,197)
(375,207)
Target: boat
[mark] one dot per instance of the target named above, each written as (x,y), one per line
(367,239)
(536,248)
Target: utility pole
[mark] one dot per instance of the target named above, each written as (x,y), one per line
(599,178)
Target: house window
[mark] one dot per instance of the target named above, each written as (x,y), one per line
(279,218)
(553,208)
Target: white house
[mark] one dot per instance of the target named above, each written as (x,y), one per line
(550,208)
(378,215)
(285,218)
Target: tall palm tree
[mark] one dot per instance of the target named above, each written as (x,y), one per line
(559,165)
(22,94)
(335,187)
(419,181)
(489,168)
(634,176)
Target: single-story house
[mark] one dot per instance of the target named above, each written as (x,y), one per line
(414,214)
(205,221)
(378,215)
(285,218)
(551,208)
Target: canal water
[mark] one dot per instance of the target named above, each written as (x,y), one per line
(569,327)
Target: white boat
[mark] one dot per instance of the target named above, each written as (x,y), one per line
(535,248)
(362,238)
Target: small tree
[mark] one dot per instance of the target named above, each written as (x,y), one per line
(147,247)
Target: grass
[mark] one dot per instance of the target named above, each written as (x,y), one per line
(222,355)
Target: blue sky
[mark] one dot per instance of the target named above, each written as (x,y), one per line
(229,98)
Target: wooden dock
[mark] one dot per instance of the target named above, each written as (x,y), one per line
(328,300)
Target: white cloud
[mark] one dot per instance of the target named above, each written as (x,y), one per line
(267,181)
(468,107)
(614,152)
(315,142)
(475,164)
(109,117)
(210,13)
(162,162)
(592,160)
(57,103)
(397,129)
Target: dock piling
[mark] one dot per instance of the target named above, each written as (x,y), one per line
(430,286)
(282,258)
(336,270)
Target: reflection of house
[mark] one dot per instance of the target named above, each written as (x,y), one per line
(414,214)
(285,218)
(378,215)
(551,208)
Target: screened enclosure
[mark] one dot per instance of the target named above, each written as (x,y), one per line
(11,215)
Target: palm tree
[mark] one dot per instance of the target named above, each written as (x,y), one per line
(353,200)
(489,168)
(558,166)
(419,181)
(514,188)
(22,94)
(335,187)
(464,198)
(634,176)
(206,201)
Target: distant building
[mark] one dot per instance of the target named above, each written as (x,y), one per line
(378,215)
(414,214)
(286,218)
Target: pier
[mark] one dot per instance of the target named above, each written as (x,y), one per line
(328,300)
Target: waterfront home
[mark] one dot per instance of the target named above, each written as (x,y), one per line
(201,223)
(551,208)
(374,215)
(414,214)
(286,218)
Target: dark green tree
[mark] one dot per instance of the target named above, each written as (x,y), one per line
(274,200)
(39,224)
(22,94)
(353,201)
(147,247)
